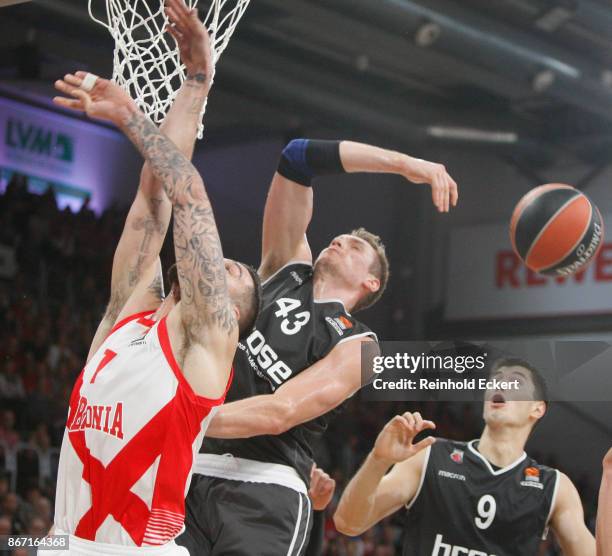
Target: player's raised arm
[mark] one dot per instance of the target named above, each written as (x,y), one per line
(604,509)
(372,494)
(205,303)
(290,199)
(137,282)
(567,521)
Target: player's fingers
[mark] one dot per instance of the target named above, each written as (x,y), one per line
(315,481)
(329,486)
(428,425)
(73,79)
(445,189)
(400,426)
(193,17)
(183,13)
(434,195)
(62,86)
(83,97)
(438,189)
(446,195)
(176,34)
(454,192)
(426,442)
(180,7)
(69,103)
(172,16)
(176,18)
(418,420)
(408,419)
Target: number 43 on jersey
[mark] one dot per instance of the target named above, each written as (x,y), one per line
(292,322)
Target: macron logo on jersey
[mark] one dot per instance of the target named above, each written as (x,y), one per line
(449,475)
(443,549)
(105,418)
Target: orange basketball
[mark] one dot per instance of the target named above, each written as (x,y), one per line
(556,229)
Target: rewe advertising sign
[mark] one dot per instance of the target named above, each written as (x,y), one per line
(486,280)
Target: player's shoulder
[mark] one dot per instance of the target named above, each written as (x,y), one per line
(300,272)
(539,469)
(340,324)
(446,447)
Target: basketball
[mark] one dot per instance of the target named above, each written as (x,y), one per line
(556,230)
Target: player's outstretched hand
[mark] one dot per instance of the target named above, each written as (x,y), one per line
(321,489)
(444,191)
(394,442)
(101,99)
(192,39)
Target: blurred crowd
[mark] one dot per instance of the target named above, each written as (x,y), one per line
(54,278)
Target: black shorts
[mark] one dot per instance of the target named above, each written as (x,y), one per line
(236,518)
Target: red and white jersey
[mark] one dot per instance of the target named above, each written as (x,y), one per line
(133,429)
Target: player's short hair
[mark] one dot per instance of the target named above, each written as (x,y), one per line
(249,303)
(250,306)
(540,391)
(379,268)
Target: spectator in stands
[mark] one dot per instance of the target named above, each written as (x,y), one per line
(37,527)
(43,509)
(11,384)
(8,435)
(11,508)
(41,442)
(5,525)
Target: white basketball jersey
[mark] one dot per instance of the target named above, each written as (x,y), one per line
(133,428)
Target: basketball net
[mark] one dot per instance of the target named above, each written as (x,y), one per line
(146,60)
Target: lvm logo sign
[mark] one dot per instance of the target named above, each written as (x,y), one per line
(37,140)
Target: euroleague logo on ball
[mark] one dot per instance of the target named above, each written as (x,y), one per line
(556,230)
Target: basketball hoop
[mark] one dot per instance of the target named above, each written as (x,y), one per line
(146,60)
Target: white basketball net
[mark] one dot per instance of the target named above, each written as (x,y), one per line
(146,59)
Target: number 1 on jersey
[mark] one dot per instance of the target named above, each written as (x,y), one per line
(108,357)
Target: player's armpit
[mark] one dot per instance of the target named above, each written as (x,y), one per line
(198,359)
(287,215)
(567,521)
(145,296)
(361,506)
(141,240)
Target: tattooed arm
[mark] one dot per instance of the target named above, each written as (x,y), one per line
(203,326)
(137,279)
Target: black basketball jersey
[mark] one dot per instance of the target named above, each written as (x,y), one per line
(466,506)
(292,332)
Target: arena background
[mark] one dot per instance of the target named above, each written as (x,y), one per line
(507,94)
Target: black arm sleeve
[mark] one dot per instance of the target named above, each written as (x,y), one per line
(304,159)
